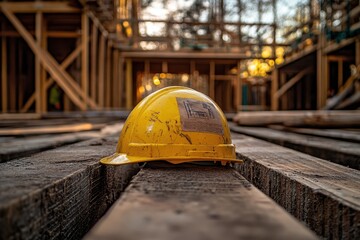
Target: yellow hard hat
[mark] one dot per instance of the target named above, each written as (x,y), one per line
(175,124)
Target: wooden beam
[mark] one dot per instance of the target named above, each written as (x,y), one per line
(340,73)
(39,6)
(322,77)
(64,80)
(108,75)
(68,60)
(44,45)
(94,47)
(129,84)
(274,89)
(85,55)
(292,82)
(62,34)
(12,75)
(283,99)
(357,51)
(239,86)
(98,24)
(38,30)
(212,80)
(101,64)
(4,88)
(121,80)
(115,78)
(320,194)
(164,66)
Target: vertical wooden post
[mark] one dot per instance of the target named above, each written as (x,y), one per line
(322,75)
(43,78)
(238,88)
(121,80)
(340,73)
(212,80)
(164,67)
(284,97)
(108,75)
(274,88)
(115,79)
(357,51)
(192,67)
(4,90)
(12,74)
(101,71)
(38,33)
(146,69)
(85,56)
(94,40)
(129,84)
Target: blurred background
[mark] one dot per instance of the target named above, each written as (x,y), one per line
(64,56)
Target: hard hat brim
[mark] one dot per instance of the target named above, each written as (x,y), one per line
(121,159)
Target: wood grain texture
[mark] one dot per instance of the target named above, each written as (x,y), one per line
(324,195)
(341,152)
(59,194)
(195,202)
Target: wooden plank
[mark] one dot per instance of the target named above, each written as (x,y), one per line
(299,118)
(8,116)
(94,58)
(129,84)
(62,77)
(289,84)
(4,86)
(351,135)
(101,72)
(19,131)
(62,34)
(195,202)
(33,7)
(85,55)
(182,55)
(212,80)
(67,61)
(64,134)
(38,30)
(59,193)
(340,152)
(323,195)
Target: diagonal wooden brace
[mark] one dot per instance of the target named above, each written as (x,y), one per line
(65,81)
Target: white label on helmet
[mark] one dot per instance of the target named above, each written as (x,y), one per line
(198,116)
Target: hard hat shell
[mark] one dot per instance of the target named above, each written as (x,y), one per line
(175,124)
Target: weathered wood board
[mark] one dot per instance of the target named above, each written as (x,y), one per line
(12,148)
(341,152)
(322,194)
(195,202)
(60,193)
(350,135)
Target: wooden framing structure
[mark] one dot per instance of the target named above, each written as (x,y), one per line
(317,68)
(77,65)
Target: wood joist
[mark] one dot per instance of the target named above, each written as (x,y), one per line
(79,69)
